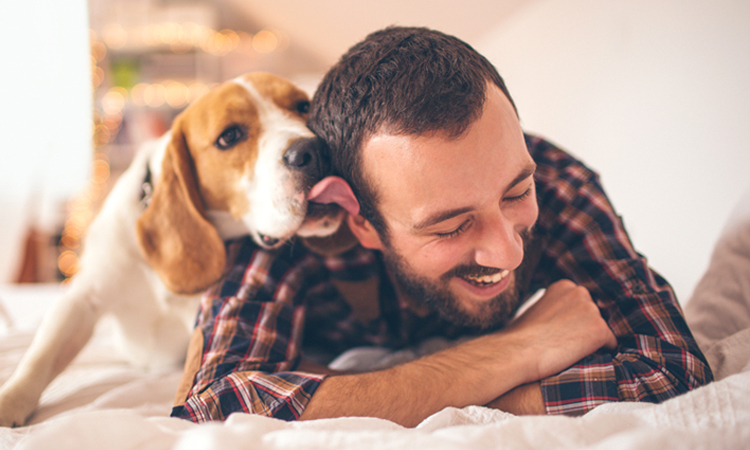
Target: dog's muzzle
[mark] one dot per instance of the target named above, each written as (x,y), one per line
(309,156)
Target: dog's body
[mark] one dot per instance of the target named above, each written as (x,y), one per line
(239,161)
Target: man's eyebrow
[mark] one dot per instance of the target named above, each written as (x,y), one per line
(439,217)
(525,173)
(451,213)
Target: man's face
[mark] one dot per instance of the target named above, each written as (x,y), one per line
(458,212)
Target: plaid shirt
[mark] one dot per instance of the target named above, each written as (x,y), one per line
(254,322)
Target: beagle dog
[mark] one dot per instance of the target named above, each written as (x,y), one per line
(238,161)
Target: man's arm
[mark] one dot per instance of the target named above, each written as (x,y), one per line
(250,348)
(563,327)
(585,241)
(523,400)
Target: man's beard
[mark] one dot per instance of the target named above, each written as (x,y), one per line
(437,295)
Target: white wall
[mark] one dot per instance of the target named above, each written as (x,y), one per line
(655,96)
(45,114)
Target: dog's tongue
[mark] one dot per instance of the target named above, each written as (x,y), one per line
(334,190)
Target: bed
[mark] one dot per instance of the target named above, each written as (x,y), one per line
(102,402)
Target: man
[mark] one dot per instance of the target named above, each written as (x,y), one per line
(460,217)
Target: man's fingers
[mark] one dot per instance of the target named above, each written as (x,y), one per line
(611,341)
(560,288)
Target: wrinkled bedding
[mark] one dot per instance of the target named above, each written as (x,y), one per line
(102,402)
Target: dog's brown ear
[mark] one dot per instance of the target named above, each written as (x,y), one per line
(177,241)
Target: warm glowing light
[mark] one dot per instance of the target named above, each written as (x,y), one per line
(154,95)
(149,35)
(100,173)
(68,263)
(231,39)
(70,242)
(168,32)
(246,43)
(265,41)
(209,44)
(115,36)
(73,230)
(112,123)
(191,33)
(98,51)
(182,37)
(137,94)
(177,94)
(101,135)
(222,44)
(97,76)
(114,100)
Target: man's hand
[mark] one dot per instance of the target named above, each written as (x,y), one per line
(567,324)
(563,327)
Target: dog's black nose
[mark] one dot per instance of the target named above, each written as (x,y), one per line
(308,155)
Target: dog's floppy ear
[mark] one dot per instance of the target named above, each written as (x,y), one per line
(176,239)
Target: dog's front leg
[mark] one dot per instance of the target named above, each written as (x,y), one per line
(64,331)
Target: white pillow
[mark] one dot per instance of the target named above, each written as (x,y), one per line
(718,312)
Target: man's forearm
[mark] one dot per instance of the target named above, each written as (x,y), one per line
(407,394)
(526,399)
(563,327)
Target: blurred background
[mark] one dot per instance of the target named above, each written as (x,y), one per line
(652,94)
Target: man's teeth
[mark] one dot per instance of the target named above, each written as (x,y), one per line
(489,279)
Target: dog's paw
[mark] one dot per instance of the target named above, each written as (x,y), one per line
(15,407)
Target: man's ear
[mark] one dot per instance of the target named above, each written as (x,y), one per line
(364,231)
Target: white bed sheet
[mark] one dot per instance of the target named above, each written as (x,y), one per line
(100,402)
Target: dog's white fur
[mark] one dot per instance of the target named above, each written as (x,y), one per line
(115,279)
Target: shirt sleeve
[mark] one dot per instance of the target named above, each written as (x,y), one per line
(584,240)
(251,326)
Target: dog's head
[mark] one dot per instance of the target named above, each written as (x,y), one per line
(240,160)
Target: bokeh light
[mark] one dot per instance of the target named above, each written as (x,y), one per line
(115,36)
(177,94)
(265,41)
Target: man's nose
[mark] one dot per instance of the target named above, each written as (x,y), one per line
(499,244)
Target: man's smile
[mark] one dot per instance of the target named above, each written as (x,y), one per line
(485,286)
(487,280)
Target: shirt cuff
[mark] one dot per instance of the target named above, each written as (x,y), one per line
(582,387)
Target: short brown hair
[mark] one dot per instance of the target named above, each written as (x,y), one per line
(399,80)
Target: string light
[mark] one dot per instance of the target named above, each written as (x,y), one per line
(182,37)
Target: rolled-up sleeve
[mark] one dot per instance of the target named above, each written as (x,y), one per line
(657,357)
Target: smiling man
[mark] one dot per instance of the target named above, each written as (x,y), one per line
(455,225)
(459,218)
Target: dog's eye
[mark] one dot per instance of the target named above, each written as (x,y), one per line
(303,107)
(230,137)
